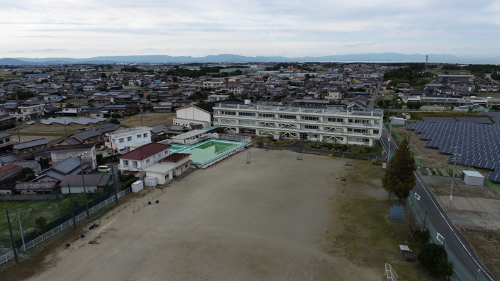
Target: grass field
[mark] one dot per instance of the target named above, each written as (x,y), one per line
(30,210)
(149,119)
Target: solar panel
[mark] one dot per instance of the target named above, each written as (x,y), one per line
(439,119)
(482,120)
(478,144)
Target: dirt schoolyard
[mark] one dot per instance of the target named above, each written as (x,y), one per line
(234,221)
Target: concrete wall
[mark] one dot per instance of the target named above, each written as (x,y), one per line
(193,113)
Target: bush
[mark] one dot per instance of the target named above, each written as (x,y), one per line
(25,171)
(435,259)
(129,182)
(422,236)
(114,121)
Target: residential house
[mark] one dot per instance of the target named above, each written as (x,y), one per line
(57,172)
(93,183)
(167,168)
(87,136)
(6,141)
(28,148)
(122,139)
(10,158)
(108,128)
(71,111)
(32,164)
(5,118)
(139,159)
(29,110)
(60,153)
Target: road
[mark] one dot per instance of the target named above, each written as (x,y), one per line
(373,98)
(439,219)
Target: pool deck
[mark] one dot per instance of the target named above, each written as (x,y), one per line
(180,148)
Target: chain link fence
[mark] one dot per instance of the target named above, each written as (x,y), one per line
(48,234)
(460,272)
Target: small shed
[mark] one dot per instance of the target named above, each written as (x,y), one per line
(472,178)
(395,121)
(137,186)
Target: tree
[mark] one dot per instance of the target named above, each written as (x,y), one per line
(435,259)
(25,171)
(399,178)
(114,121)
(414,104)
(40,223)
(21,94)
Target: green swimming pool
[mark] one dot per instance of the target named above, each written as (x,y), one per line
(207,151)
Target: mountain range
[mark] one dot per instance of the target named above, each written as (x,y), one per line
(229,58)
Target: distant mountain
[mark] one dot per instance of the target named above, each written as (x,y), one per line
(229,58)
(8,61)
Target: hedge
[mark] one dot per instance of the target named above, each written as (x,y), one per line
(129,182)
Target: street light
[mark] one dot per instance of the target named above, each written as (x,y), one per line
(79,156)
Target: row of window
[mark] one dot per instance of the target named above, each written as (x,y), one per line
(122,140)
(6,140)
(147,161)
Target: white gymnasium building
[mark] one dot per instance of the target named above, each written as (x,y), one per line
(334,124)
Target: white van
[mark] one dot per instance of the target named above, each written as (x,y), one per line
(103,169)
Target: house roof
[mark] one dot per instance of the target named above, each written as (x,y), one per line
(9,158)
(109,128)
(83,135)
(3,135)
(31,143)
(67,165)
(72,141)
(42,185)
(33,164)
(144,151)
(86,146)
(90,180)
(175,157)
(9,170)
(129,130)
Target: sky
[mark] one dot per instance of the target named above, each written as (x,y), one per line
(89,28)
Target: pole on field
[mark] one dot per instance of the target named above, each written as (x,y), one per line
(21,228)
(11,236)
(249,155)
(453,176)
(114,185)
(80,156)
(71,203)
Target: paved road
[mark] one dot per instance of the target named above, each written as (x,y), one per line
(439,219)
(371,100)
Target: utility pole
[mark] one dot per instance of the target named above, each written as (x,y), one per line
(80,155)
(71,203)
(389,157)
(21,228)
(114,185)
(11,236)
(453,176)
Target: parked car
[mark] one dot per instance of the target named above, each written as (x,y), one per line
(104,169)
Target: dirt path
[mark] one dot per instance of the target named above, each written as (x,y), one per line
(234,221)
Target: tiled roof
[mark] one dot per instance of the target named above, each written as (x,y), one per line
(31,143)
(75,147)
(86,134)
(144,151)
(175,157)
(45,185)
(9,170)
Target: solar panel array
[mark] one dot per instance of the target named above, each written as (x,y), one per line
(478,144)
(483,120)
(495,116)
(439,119)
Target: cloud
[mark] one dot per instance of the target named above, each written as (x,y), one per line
(258,27)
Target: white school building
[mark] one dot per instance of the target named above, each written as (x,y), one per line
(334,124)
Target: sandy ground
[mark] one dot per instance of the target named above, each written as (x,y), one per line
(233,221)
(474,212)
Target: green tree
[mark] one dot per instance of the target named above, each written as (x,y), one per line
(25,171)
(399,178)
(40,223)
(435,259)
(114,121)
(21,94)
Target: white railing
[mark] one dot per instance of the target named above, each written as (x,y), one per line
(9,255)
(390,273)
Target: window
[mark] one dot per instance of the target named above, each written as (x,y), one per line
(145,135)
(121,140)
(186,166)
(147,161)
(1,141)
(267,115)
(165,152)
(227,113)
(7,139)
(311,118)
(129,138)
(134,164)
(246,114)
(375,132)
(125,163)
(139,136)
(288,117)
(312,127)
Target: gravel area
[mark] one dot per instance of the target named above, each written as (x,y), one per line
(233,221)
